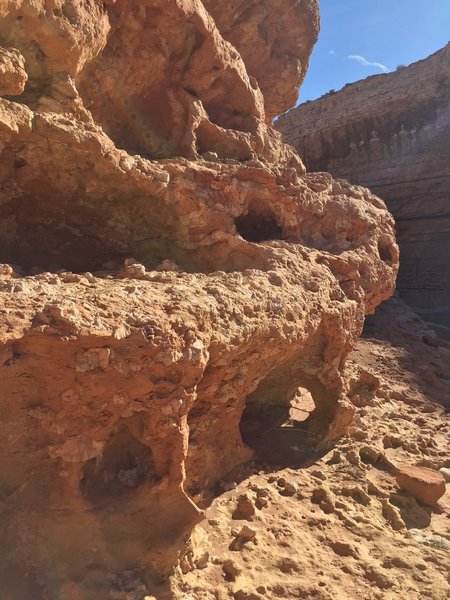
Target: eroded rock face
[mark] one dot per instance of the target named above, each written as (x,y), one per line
(391,133)
(156,315)
(275,39)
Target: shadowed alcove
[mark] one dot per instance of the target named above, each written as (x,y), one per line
(258,225)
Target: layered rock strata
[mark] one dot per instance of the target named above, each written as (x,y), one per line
(391,133)
(156,313)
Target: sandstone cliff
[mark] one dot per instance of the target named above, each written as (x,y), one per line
(391,133)
(171,278)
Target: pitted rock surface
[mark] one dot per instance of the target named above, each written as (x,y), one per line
(170,278)
(391,133)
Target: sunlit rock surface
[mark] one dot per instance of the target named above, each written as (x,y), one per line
(391,133)
(170,278)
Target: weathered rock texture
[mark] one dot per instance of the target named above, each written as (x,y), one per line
(342,527)
(128,391)
(391,133)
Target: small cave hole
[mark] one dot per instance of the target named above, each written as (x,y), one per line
(124,465)
(385,252)
(257,227)
(278,428)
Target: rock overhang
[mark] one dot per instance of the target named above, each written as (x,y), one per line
(152,299)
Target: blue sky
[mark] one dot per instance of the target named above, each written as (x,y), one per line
(386,32)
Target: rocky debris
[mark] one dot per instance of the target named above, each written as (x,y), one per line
(231,570)
(390,133)
(241,537)
(287,488)
(174,282)
(245,508)
(426,485)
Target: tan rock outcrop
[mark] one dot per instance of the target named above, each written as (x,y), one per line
(391,133)
(156,315)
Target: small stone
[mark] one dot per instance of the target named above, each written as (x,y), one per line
(335,458)
(245,508)
(230,570)
(243,536)
(445,473)
(210,156)
(260,503)
(202,561)
(392,441)
(378,578)
(289,489)
(6,270)
(424,484)
(324,499)
(319,474)
(368,454)
(247,533)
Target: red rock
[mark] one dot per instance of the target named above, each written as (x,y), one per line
(424,484)
(143,132)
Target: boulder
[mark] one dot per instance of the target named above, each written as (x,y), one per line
(423,483)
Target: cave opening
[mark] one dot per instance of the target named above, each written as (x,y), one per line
(258,227)
(385,251)
(280,427)
(125,464)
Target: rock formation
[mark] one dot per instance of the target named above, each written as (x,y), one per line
(170,278)
(341,527)
(391,133)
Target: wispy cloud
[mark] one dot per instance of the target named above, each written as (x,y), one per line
(366,63)
(332,52)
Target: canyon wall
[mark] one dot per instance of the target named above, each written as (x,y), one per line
(170,278)
(391,133)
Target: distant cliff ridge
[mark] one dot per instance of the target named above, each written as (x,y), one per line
(391,133)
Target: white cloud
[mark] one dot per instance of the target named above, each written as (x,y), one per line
(365,63)
(332,52)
